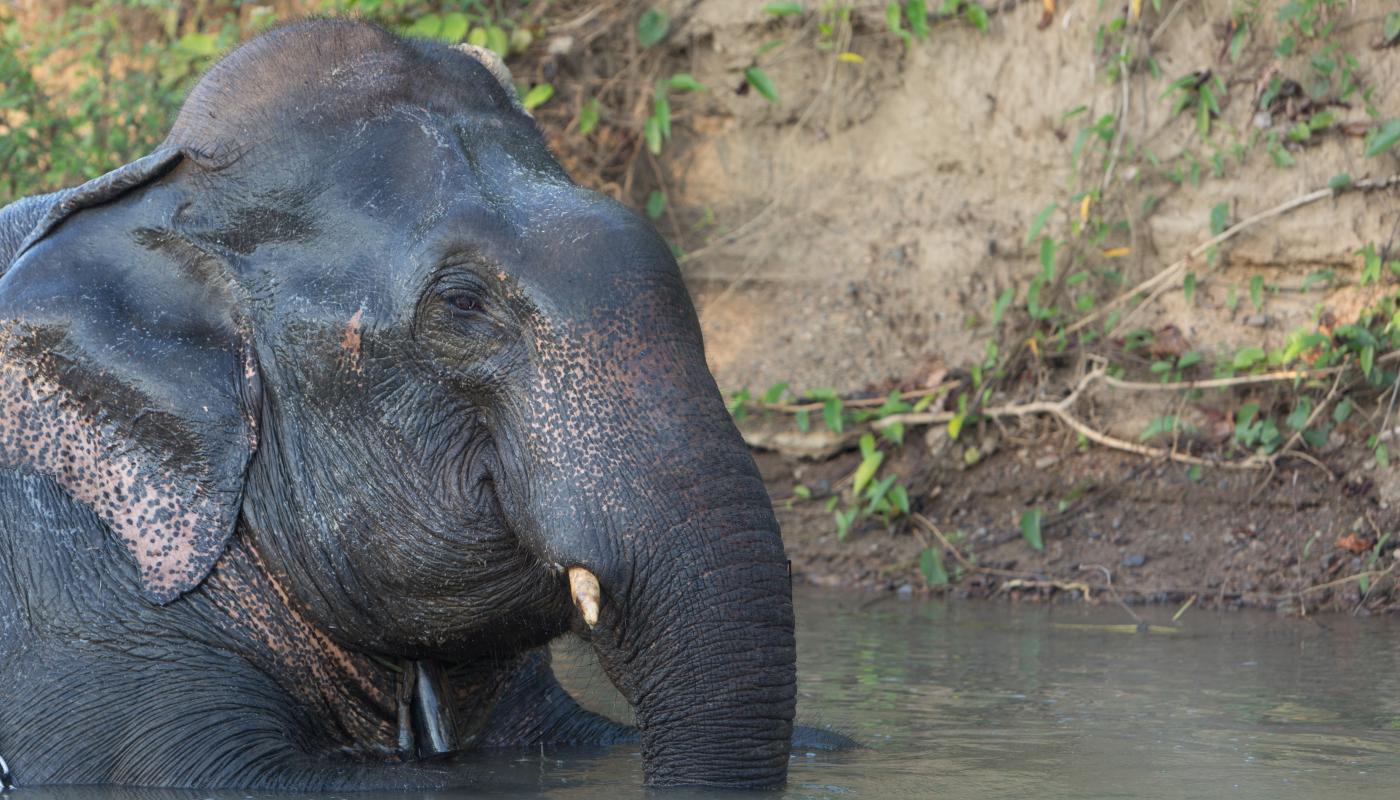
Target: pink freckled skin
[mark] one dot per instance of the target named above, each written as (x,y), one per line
(165,526)
(350,343)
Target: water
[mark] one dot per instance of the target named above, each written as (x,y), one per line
(969,700)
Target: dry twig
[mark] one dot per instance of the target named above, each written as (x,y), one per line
(1157,283)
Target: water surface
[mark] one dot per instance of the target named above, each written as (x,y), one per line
(988,700)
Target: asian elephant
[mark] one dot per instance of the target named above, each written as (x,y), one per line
(320,421)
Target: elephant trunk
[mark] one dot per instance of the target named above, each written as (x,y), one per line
(637,474)
(678,578)
(702,647)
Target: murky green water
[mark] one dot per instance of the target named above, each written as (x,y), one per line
(998,701)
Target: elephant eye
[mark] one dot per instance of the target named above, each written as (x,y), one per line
(466,303)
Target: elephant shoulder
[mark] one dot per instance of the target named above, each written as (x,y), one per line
(18,219)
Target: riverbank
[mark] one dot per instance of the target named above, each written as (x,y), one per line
(1115,526)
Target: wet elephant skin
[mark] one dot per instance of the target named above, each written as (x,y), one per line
(334,388)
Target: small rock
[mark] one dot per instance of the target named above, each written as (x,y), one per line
(1256,320)
(1188,537)
(1046,461)
(1263,120)
(1134,560)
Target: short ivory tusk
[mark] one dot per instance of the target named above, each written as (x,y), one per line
(584,587)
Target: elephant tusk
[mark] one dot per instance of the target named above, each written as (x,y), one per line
(584,587)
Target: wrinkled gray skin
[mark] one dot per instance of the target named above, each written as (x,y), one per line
(331,390)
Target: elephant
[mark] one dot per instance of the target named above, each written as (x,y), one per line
(319,422)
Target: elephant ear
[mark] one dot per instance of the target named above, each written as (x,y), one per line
(126,373)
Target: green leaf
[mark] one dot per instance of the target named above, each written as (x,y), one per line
(656,206)
(199,44)
(1384,138)
(478,37)
(588,117)
(867,469)
(1030,529)
(1316,437)
(875,495)
(497,41)
(454,27)
(537,96)
(685,82)
(801,491)
(652,130)
(1392,26)
(894,16)
(867,445)
(917,11)
(1158,427)
(760,81)
(425,27)
(899,497)
(977,15)
(783,9)
(1368,360)
(1298,417)
(955,425)
(1047,258)
(832,414)
(772,44)
(931,566)
(1237,42)
(1245,416)
(1002,303)
(1039,222)
(803,420)
(1339,181)
(775,392)
(844,520)
(1383,455)
(1188,287)
(661,112)
(1256,291)
(1219,216)
(652,26)
(894,432)
(1342,411)
(1248,356)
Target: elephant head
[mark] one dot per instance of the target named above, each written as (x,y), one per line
(355,313)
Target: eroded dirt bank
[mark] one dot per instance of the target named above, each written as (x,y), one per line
(1294,542)
(857,235)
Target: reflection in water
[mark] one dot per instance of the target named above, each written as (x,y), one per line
(996,701)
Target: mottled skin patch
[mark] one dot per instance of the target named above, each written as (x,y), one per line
(350,342)
(174,533)
(347,689)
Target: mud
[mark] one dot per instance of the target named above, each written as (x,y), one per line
(1294,541)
